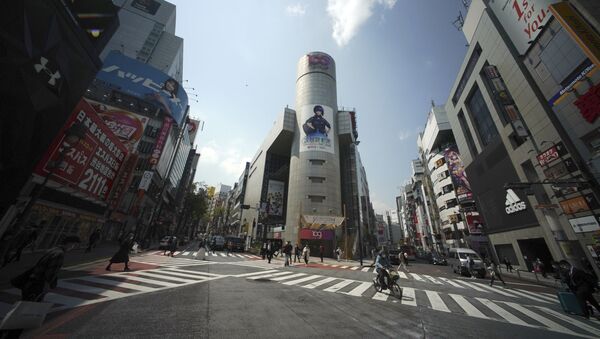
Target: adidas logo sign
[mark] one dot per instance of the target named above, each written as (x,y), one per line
(513,203)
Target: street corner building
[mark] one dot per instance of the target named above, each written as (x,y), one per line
(306,183)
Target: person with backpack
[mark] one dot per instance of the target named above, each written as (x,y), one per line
(582,284)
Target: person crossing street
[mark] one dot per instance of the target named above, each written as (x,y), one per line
(287,250)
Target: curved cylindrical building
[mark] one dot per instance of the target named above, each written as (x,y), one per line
(314,181)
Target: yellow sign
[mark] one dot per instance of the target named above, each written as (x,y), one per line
(579,29)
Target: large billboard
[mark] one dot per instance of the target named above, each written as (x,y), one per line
(275,197)
(145,82)
(522,20)
(458,174)
(90,166)
(316,128)
(127,126)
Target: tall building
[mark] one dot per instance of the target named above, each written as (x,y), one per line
(520,113)
(307,175)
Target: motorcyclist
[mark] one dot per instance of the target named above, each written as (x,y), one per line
(381,263)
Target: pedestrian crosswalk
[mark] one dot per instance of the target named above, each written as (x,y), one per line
(85,290)
(209,254)
(513,311)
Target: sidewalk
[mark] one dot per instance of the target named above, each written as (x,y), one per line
(329,261)
(532,277)
(103,252)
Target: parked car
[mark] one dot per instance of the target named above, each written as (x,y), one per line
(237,243)
(458,261)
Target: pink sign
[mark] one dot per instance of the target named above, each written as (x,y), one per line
(160,141)
(306,233)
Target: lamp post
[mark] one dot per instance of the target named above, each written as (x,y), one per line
(72,137)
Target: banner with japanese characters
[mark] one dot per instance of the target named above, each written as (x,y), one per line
(90,165)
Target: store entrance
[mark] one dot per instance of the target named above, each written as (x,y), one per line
(533,249)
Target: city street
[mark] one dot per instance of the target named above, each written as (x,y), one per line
(242,295)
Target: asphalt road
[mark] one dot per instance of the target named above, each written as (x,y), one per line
(243,296)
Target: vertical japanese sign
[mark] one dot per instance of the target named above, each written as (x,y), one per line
(92,164)
(160,142)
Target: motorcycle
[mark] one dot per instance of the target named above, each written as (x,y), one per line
(391,283)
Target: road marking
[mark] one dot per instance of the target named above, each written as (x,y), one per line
(288,277)
(161,276)
(402,275)
(571,320)
(186,253)
(319,283)
(150,281)
(529,296)
(223,254)
(254,273)
(63,299)
(344,266)
(547,322)
(436,301)
(495,290)
(297,281)
(182,275)
(360,289)
(432,279)
(511,318)
(473,286)
(338,286)
(89,289)
(381,296)
(334,265)
(201,273)
(266,276)
(408,296)
(366,269)
(538,295)
(451,282)
(195,253)
(467,306)
(416,277)
(355,268)
(121,284)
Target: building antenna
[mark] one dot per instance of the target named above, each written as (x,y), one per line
(466,3)
(432,103)
(459,22)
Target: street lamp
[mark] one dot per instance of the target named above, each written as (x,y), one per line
(72,137)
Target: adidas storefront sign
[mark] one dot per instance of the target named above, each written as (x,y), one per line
(513,203)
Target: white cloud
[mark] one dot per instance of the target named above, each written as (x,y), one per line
(209,155)
(379,206)
(295,10)
(223,163)
(349,15)
(403,135)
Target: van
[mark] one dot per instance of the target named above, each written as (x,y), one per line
(458,260)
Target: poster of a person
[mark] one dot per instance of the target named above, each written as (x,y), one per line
(317,125)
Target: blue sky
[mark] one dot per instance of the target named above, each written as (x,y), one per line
(392,58)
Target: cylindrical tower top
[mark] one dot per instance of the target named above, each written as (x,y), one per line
(316,62)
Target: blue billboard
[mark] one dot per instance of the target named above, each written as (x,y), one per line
(145,82)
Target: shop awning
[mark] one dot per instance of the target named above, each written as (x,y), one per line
(321,222)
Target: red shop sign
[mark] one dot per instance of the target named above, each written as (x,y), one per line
(551,154)
(92,165)
(160,142)
(589,104)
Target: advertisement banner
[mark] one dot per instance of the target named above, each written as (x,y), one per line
(574,205)
(306,233)
(145,82)
(317,126)
(585,224)
(522,20)
(193,127)
(475,224)
(458,174)
(91,165)
(551,154)
(127,126)
(161,140)
(275,197)
(585,36)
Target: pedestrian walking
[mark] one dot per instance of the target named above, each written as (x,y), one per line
(298,253)
(36,281)
(228,247)
(168,247)
(23,239)
(173,246)
(495,273)
(338,253)
(403,261)
(508,265)
(269,251)
(582,284)
(470,265)
(321,251)
(306,253)
(287,250)
(213,245)
(122,255)
(263,250)
(94,238)
(540,267)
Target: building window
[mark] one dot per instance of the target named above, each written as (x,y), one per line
(467,133)
(316,198)
(486,129)
(317,162)
(466,74)
(316,180)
